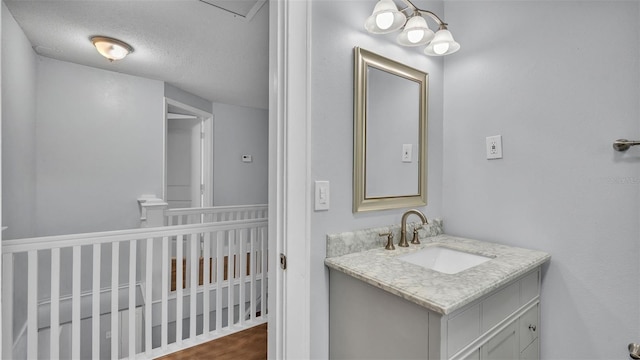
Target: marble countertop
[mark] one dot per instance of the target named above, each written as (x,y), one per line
(439,292)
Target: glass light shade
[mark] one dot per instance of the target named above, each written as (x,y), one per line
(415,33)
(442,44)
(110,48)
(385,18)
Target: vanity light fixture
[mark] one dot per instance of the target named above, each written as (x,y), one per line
(386,18)
(112,49)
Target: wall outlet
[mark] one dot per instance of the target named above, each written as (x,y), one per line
(494,147)
(407,153)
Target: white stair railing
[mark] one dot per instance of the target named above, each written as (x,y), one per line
(185,216)
(101,284)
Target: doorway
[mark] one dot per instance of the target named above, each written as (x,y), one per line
(188,134)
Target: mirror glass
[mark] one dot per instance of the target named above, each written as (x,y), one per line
(390,127)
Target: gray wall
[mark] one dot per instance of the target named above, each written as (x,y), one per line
(238,131)
(18,129)
(186,98)
(337,26)
(99,136)
(18,138)
(559,80)
(93,141)
(183,139)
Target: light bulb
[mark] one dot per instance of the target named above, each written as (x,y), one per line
(117,52)
(415,35)
(441,48)
(110,48)
(442,44)
(384,20)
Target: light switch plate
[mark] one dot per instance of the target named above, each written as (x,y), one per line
(494,147)
(322,195)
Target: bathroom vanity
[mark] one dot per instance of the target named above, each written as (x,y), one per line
(385,306)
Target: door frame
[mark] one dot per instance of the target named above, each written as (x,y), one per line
(289,179)
(206,174)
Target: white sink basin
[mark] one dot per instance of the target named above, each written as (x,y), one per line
(444,260)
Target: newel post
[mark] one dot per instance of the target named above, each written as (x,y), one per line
(151,211)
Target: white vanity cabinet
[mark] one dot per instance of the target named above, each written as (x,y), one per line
(370,323)
(503,345)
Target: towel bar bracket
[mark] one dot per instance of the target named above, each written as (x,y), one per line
(624,144)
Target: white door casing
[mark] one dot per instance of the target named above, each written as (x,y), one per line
(2,328)
(289,174)
(204,171)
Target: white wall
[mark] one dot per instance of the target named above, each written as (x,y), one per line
(18,129)
(238,131)
(187,98)
(96,145)
(559,80)
(338,26)
(99,136)
(183,143)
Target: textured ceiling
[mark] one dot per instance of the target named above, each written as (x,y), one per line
(193,45)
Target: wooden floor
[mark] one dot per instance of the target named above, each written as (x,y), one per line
(250,344)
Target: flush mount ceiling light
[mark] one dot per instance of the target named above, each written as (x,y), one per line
(112,49)
(386,18)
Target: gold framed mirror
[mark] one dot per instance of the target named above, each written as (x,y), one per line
(390,134)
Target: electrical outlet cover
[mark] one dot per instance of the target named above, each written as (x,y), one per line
(407,153)
(494,147)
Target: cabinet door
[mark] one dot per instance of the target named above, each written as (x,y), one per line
(462,329)
(528,327)
(503,346)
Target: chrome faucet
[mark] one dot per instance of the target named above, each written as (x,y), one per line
(403,230)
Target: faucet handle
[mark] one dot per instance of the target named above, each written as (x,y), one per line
(389,236)
(415,239)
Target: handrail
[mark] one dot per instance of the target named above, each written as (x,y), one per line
(59,241)
(155,271)
(190,211)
